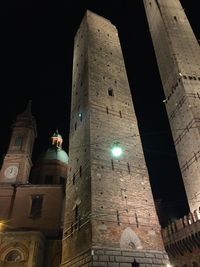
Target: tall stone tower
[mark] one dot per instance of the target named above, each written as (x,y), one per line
(178,57)
(110,217)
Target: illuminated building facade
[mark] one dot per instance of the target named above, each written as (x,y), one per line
(31,199)
(110,217)
(178,57)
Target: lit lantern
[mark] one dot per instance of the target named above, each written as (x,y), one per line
(116,150)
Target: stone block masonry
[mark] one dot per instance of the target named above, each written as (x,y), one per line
(106,257)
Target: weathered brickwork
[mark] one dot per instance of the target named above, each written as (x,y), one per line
(178,57)
(182,240)
(106,257)
(29,246)
(109,201)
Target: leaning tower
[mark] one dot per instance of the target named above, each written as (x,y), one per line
(178,57)
(110,217)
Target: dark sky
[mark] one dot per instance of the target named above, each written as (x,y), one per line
(37,50)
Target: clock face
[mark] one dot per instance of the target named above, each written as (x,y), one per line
(11,172)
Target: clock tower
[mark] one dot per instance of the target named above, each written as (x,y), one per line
(17,162)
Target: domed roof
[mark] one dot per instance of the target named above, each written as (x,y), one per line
(55,153)
(56,134)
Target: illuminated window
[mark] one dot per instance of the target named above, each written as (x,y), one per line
(36,206)
(80,115)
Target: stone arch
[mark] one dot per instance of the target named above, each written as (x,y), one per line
(14,255)
(14,252)
(129,240)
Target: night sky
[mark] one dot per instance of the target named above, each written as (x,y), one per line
(37,51)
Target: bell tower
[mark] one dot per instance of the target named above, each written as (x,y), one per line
(110,216)
(17,161)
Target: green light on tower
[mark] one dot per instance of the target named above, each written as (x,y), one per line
(116,150)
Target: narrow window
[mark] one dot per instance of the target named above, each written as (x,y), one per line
(36,206)
(110,92)
(112,164)
(120,114)
(128,166)
(80,171)
(18,141)
(118,219)
(80,116)
(107,110)
(75,126)
(175,18)
(73,179)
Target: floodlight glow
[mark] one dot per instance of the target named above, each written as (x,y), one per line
(116,151)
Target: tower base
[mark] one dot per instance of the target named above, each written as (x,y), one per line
(107,257)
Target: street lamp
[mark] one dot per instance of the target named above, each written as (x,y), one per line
(116,150)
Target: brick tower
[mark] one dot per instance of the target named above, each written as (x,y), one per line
(178,57)
(110,217)
(17,162)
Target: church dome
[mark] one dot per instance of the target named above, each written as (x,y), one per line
(55,153)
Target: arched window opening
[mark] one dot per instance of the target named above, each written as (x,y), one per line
(13,255)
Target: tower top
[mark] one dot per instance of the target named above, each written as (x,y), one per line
(27,112)
(90,17)
(26,119)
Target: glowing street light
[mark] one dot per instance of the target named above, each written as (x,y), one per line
(116,150)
